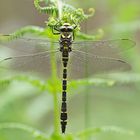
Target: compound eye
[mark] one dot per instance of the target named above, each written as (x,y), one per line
(69,29)
(63,30)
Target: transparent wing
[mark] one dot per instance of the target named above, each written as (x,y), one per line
(106,48)
(27,45)
(87,58)
(92,57)
(28,55)
(83,65)
(35,63)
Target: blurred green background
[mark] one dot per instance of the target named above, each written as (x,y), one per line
(108,106)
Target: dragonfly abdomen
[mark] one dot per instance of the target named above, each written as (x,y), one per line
(65,58)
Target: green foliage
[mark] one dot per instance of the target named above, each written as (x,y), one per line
(21,32)
(69,13)
(128,12)
(4,83)
(93,82)
(38,135)
(51,9)
(125,78)
(93,131)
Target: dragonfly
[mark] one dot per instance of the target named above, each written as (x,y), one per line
(74,59)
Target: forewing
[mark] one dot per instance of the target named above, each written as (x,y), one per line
(106,48)
(27,45)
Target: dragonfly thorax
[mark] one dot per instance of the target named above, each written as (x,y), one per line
(66,36)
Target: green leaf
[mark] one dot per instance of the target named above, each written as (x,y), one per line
(34,30)
(36,133)
(92,81)
(97,36)
(107,129)
(43,85)
(62,137)
(36,82)
(125,77)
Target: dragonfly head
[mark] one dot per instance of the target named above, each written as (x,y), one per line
(66,30)
(66,27)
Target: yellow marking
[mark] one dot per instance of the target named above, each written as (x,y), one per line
(66,24)
(64,91)
(68,36)
(65,58)
(65,47)
(64,68)
(63,36)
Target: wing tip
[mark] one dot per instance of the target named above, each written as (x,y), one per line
(132,41)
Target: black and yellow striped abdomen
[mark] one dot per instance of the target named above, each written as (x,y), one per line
(65,57)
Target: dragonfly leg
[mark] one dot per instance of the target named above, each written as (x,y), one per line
(55,29)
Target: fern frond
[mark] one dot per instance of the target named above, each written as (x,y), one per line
(36,133)
(48,10)
(94,82)
(112,129)
(33,81)
(69,13)
(124,78)
(97,36)
(21,32)
(38,83)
